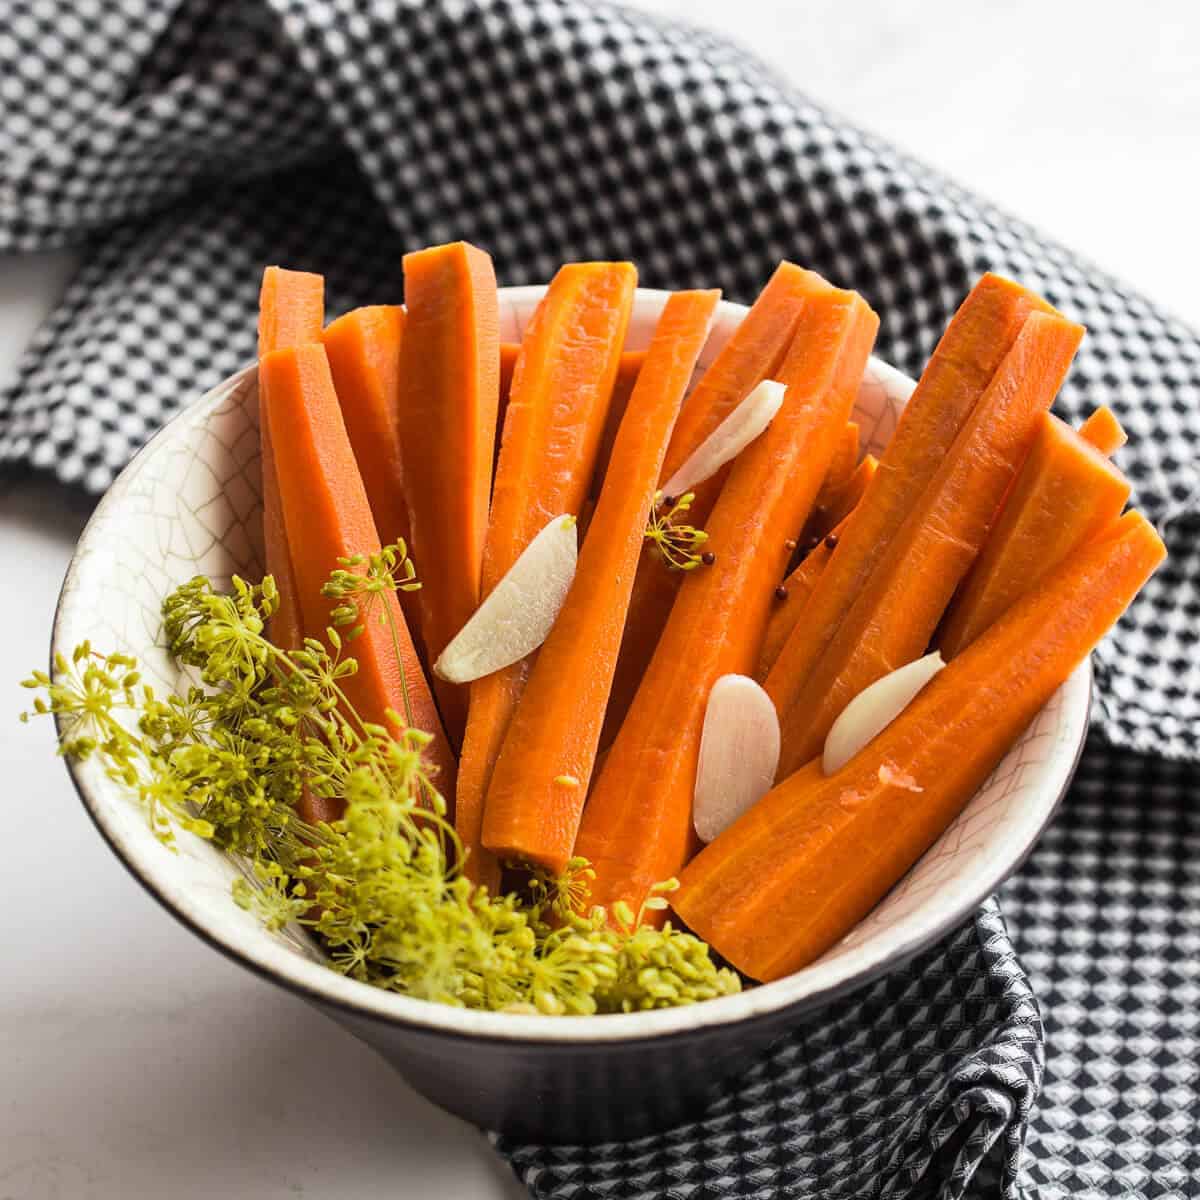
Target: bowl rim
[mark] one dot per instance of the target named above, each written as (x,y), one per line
(316,983)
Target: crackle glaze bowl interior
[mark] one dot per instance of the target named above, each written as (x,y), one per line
(189,504)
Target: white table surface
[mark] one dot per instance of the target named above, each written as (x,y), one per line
(134,1061)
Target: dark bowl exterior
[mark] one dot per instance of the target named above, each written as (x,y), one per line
(575,1093)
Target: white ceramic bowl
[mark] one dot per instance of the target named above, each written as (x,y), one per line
(189,503)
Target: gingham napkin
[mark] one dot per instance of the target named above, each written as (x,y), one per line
(183,144)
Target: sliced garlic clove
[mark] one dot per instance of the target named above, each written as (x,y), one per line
(729,438)
(739,754)
(518,614)
(875,708)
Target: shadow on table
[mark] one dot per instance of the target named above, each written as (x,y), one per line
(33,501)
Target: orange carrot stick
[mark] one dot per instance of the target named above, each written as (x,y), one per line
(508,363)
(323,494)
(836,501)
(977,339)
(449,392)
(1066,493)
(285,627)
(1103,430)
(754,352)
(291,308)
(756,349)
(655,587)
(542,776)
(815,855)
(636,828)
(856,486)
(799,585)
(627,376)
(363,348)
(790,598)
(895,614)
(560,393)
(841,470)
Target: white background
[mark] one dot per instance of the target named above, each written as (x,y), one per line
(134,1061)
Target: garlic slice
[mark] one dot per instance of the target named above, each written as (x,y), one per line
(875,708)
(739,753)
(729,438)
(518,614)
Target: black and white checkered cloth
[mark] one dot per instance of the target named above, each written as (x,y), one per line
(183,144)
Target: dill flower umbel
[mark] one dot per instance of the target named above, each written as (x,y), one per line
(677,543)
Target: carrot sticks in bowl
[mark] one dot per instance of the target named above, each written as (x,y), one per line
(968,355)
(449,388)
(636,828)
(987,529)
(291,310)
(753,353)
(896,607)
(1066,493)
(541,779)
(363,348)
(561,387)
(322,493)
(795,874)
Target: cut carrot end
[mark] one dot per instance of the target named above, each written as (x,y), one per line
(1103,430)
(291,309)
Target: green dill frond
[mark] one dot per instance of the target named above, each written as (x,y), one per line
(381,889)
(676,542)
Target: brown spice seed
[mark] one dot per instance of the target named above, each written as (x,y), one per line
(781,592)
(831,541)
(708,558)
